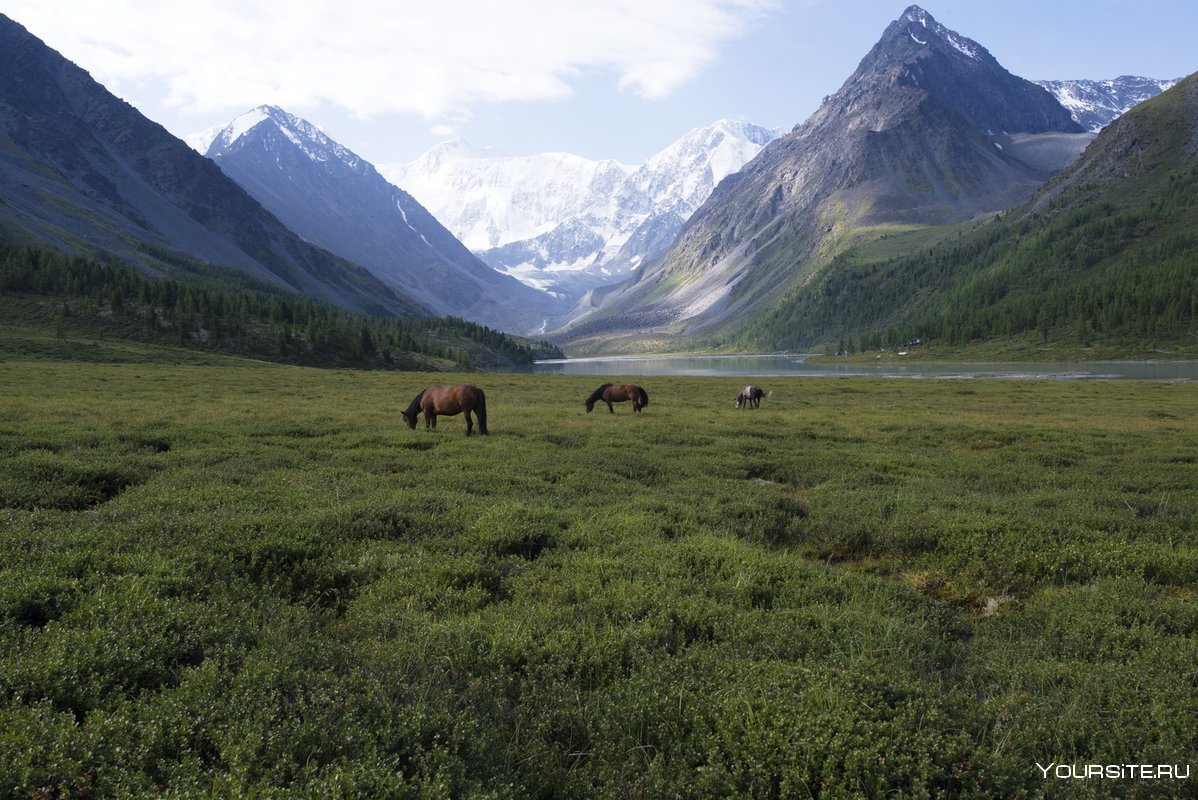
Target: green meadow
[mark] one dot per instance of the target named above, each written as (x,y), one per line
(249,580)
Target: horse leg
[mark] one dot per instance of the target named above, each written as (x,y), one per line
(610,410)
(469,423)
(430,420)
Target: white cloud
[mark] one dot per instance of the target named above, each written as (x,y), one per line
(436,59)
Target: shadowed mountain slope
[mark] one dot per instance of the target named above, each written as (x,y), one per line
(82,170)
(335,199)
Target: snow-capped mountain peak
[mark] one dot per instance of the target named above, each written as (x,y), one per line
(704,157)
(1095,104)
(242,124)
(488,199)
(929,26)
(457,149)
(334,199)
(563,223)
(307,137)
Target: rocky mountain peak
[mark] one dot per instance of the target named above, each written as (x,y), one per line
(918,59)
(337,200)
(929,29)
(267,120)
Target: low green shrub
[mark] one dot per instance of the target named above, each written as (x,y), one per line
(253,581)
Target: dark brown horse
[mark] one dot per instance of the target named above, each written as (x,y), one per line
(449,400)
(618,393)
(751,395)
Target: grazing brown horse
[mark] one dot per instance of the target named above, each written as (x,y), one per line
(751,394)
(449,400)
(618,393)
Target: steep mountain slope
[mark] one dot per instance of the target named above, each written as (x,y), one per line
(929,130)
(336,200)
(81,170)
(1104,255)
(566,225)
(1094,104)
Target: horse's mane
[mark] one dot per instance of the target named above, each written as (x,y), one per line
(598,393)
(414,406)
(644,397)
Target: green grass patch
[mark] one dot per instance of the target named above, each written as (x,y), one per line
(231,580)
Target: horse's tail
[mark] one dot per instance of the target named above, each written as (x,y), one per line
(480,411)
(644,397)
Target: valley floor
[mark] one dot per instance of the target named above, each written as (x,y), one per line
(238,579)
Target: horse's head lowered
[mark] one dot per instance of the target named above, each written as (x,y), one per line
(413,411)
(751,395)
(596,396)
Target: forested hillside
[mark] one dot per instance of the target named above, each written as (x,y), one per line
(1105,254)
(225,312)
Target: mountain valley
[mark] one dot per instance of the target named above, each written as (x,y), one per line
(732,237)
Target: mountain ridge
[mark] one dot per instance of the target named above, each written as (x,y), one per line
(82,170)
(338,200)
(1094,104)
(574,224)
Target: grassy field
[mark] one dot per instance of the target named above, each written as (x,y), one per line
(251,580)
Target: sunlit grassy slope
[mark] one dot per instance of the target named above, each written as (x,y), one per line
(1102,257)
(252,580)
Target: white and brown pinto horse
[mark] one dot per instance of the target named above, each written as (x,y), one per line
(751,395)
(449,400)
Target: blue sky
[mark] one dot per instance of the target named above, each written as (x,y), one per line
(617,79)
